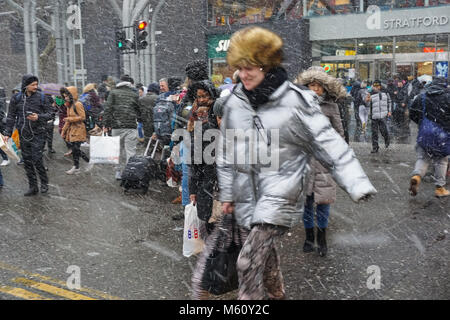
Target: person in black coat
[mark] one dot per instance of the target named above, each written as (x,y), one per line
(203,178)
(29,112)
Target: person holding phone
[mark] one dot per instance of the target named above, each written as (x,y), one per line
(29,112)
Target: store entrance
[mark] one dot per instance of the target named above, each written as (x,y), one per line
(383,69)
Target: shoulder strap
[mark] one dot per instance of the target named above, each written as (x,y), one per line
(423,103)
(75,108)
(18,97)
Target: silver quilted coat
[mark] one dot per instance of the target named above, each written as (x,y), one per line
(275,195)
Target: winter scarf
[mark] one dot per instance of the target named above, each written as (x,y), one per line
(272,81)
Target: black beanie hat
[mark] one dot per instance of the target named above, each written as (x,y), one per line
(153,87)
(197,70)
(126,78)
(28,79)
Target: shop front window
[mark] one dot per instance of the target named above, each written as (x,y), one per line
(228,12)
(415,44)
(375,46)
(220,71)
(342,70)
(321,7)
(337,48)
(442,43)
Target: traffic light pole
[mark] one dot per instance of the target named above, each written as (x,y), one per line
(133,51)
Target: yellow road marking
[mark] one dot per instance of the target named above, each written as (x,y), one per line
(51,289)
(21,293)
(55,281)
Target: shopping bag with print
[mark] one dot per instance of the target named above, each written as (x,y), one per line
(104,149)
(192,242)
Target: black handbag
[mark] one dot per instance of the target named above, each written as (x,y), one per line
(220,274)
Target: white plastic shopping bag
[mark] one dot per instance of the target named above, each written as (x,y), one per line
(192,242)
(104,149)
(9,148)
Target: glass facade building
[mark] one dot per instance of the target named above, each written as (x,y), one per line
(366,39)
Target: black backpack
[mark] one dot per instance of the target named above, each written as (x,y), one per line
(162,117)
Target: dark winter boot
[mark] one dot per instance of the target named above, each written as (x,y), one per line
(322,242)
(309,241)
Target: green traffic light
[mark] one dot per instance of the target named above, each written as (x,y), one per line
(120,45)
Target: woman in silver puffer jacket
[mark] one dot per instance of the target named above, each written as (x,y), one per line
(264,193)
(321,188)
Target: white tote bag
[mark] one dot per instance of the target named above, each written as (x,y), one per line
(9,149)
(104,149)
(192,242)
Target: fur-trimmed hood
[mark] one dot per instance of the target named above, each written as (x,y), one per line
(332,86)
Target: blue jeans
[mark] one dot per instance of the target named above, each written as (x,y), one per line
(323,212)
(185,200)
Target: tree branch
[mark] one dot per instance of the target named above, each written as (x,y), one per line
(116,8)
(18,8)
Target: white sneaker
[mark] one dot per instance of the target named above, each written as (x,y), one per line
(84,144)
(73,171)
(4,163)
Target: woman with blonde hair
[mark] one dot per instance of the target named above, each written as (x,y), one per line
(267,198)
(321,190)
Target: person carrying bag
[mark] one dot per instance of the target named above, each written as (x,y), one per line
(216,271)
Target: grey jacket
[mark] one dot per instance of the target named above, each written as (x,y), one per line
(275,195)
(380,105)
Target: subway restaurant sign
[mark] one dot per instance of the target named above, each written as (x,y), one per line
(218,46)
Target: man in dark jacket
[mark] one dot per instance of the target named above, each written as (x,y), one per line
(148,103)
(122,112)
(29,112)
(436,99)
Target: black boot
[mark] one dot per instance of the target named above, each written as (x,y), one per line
(44,188)
(322,242)
(31,192)
(374,150)
(309,242)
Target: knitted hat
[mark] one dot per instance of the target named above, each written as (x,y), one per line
(27,80)
(126,78)
(197,70)
(153,87)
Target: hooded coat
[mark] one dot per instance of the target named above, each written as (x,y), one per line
(274,193)
(321,182)
(74,129)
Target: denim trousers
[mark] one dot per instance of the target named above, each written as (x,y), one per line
(322,210)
